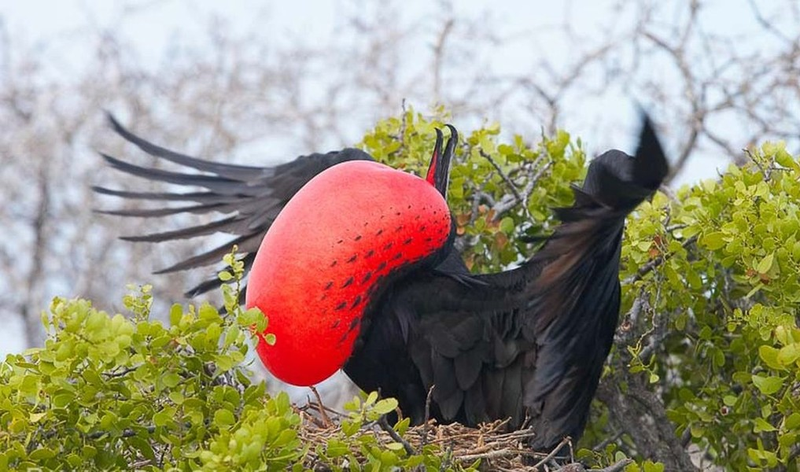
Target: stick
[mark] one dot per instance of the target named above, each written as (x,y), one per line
(384,424)
(427,417)
(553,453)
(321,408)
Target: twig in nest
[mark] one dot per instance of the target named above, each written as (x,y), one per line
(332,414)
(305,416)
(321,408)
(427,417)
(553,453)
(384,424)
(499,454)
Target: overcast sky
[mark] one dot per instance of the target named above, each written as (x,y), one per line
(63,30)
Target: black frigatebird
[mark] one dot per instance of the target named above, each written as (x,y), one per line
(360,269)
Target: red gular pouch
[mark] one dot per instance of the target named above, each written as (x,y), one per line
(332,248)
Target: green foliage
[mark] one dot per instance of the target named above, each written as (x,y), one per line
(109,391)
(725,302)
(114,392)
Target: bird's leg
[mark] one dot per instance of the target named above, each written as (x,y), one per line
(321,407)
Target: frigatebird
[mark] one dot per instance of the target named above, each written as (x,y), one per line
(527,343)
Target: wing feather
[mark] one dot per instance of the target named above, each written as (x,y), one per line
(250,197)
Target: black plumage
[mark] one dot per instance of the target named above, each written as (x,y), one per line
(524,343)
(251,197)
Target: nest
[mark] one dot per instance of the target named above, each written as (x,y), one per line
(492,444)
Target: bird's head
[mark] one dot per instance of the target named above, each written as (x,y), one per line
(334,249)
(439,169)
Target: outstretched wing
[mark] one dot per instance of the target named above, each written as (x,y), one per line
(528,343)
(248,198)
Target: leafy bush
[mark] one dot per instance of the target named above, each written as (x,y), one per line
(727,295)
(708,329)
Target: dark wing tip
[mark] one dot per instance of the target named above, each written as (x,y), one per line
(652,166)
(123,131)
(119,163)
(112,120)
(102,190)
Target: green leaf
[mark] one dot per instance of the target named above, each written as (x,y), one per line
(765,264)
(171,379)
(385,406)
(232,335)
(349,428)
(88,451)
(789,354)
(63,399)
(713,241)
(507,225)
(371,398)
(761,425)
(336,448)
(162,418)
(792,421)
(768,385)
(769,355)
(42,454)
(175,314)
(224,418)
(35,417)
(143,446)
(785,159)
(176,397)
(650,466)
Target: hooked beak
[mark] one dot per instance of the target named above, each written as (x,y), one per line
(439,170)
